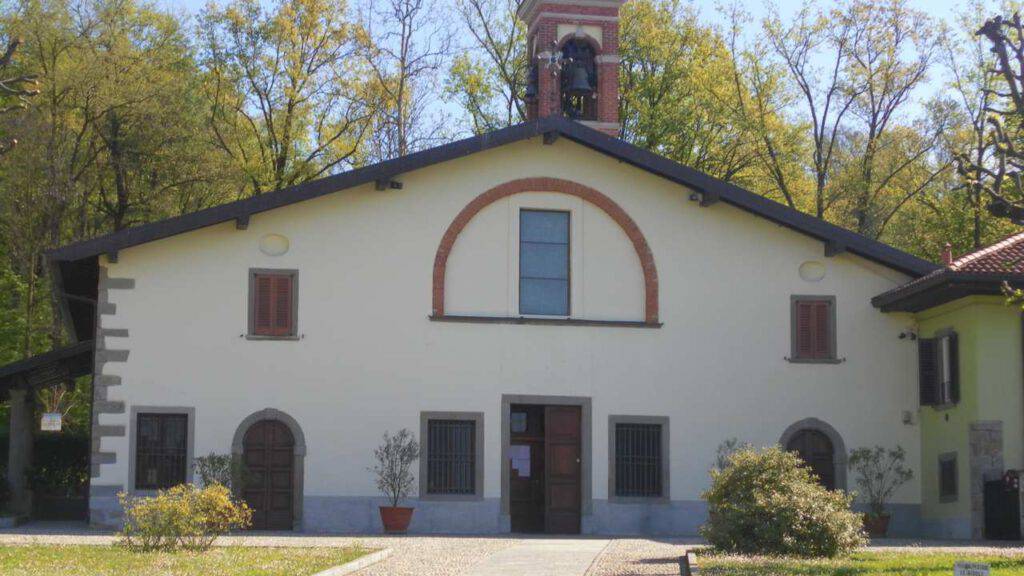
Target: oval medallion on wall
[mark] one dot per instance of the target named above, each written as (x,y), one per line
(812,271)
(273,244)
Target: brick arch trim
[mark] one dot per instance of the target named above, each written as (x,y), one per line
(606,204)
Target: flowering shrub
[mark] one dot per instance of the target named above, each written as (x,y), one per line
(184,517)
(768,502)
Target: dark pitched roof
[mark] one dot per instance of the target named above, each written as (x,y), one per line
(836,239)
(983,271)
(48,368)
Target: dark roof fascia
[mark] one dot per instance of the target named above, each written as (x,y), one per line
(712,188)
(8,371)
(943,287)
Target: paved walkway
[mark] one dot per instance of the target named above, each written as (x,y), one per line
(554,557)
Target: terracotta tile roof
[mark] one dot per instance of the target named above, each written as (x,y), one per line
(1003,257)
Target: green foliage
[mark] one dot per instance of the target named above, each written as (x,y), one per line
(768,502)
(184,517)
(393,469)
(880,472)
(226,470)
(60,464)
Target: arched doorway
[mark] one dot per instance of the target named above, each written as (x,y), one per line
(272,449)
(816,450)
(268,452)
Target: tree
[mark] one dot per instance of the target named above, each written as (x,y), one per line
(406,48)
(15,88)
(289,99)
(994,166)
(489,79)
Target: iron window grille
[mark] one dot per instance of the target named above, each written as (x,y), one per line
(451,457)
(947,478)
(161,451)
(638,463)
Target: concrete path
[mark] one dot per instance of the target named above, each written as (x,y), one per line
(548,557)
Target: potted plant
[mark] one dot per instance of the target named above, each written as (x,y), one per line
(395,457)
(880,472)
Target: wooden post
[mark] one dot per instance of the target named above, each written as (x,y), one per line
(19,457)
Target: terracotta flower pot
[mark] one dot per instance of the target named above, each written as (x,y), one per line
(395,518)
(876,525)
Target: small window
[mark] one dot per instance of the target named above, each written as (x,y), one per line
(451,457)
(947,478)
(543,263)
(939,369)
(272,303)
(638,460)
(161,450)
(813,328)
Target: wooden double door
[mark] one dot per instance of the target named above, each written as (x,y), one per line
(545,468)
(269,475)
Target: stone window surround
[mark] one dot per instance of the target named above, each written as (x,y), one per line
(838,446)
(946,457)
(299,453)
(834,329)
(478,446)
(133,424)
(250,333)
(666,493)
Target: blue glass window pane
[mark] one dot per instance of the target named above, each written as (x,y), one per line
(544,261)
(543,297)
(544,226)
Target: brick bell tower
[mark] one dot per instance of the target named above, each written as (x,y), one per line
(573,48)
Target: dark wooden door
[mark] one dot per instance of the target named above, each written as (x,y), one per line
(816,450)
(563,454)
(1002,511)
(269,456)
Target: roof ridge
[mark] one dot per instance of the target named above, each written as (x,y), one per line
(990,249)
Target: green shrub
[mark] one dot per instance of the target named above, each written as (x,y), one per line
(224,469)
(181,517)
(766,502)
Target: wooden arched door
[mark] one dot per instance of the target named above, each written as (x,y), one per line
(815,448)
(269,457)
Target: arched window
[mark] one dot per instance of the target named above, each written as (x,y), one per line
(579,80)
(817,451)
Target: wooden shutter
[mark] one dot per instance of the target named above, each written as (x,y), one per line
(813,331)
(273,305)
(928,370)
(954,368)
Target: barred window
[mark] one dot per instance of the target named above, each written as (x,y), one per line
(947,478)
(160,450)
(638,460)
(451,457)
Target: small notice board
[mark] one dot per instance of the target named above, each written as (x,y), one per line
(51,422)
(970,569)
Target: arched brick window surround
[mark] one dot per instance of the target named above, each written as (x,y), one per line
(613,210)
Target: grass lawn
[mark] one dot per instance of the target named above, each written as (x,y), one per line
(116,561)
(860,564)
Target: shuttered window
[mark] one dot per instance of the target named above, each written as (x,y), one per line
(813,328)
(272,303)
(451,457)
(544,262)
(638,460)
(161,450)
(939,369)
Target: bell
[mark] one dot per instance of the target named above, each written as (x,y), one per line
(580,82)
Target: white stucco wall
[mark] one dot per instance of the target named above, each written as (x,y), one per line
(369,360)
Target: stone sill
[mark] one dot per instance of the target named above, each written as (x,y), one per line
(544,321)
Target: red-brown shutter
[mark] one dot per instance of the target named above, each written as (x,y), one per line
(822,329)
(814,329)
(804,329)
(272,305)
